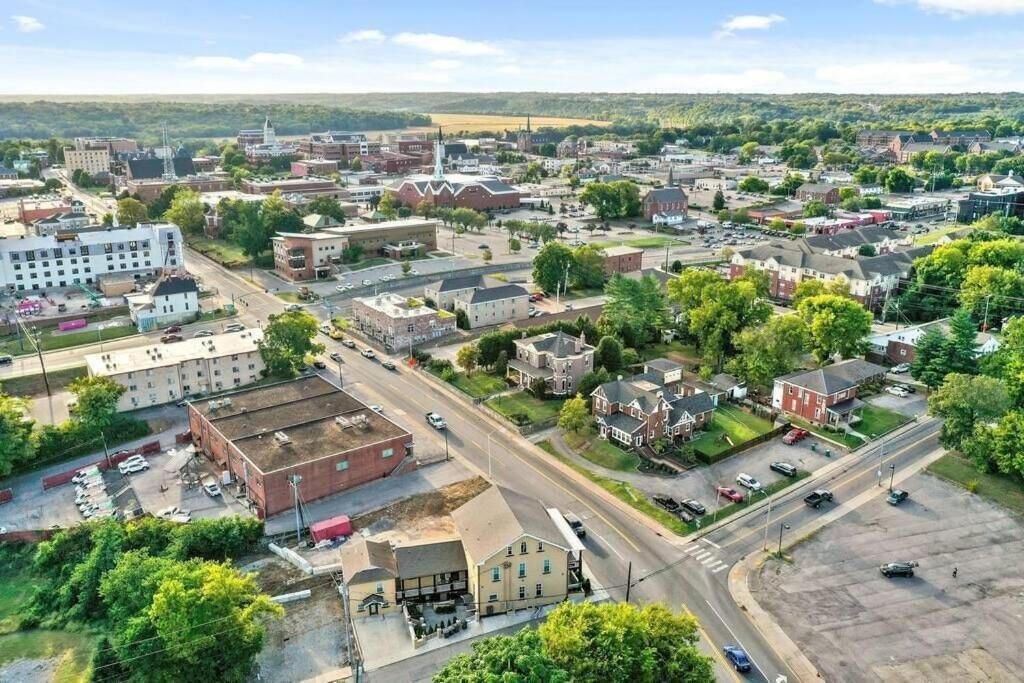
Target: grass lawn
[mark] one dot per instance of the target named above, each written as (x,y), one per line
(876,421)
(369,263)
(225,253)
(842,437)
(290,297)
(998,488)
(653,242)
(526,404)
(933,236)
(575,294)
(687,351)
(32,385)
(601,452)
(53,341)
(479,384)
(731,421)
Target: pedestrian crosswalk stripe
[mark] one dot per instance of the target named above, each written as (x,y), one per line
(710,560)
(692,548)
(715,571)
(702,555)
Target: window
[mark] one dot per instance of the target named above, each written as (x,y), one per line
(547,566)
(522,570)
(540,546)
(387,452)
(538,590)
(379,588)
(341,466)
(522,592)
(496,574)
(493,597)
(522,548)
(508,551)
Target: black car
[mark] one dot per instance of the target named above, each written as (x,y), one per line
(694,506)
(388,365)
(783,468)
(907,388)
(891,569)
(666,502)
(897,496)
(319,364)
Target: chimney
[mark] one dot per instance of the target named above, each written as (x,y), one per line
(581,341)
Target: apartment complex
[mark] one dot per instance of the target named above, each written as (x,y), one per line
(494,305)
(305,430)
(83,257)
(399,322)
(92,161)
(165,373)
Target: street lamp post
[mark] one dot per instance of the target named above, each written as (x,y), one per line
(881,452)
(781,528)
(718,504)
(766,519)
(892,475)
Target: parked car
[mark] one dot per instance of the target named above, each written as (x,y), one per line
(897,391)
(909,388)
(900,369)
(730,493)
(367,283)
(389,365)
(234,327)
(891,569)
(212,489)
(794,435)
(319,364)
(694,506)
(368,353)
(436,421)
(6,360)
(666,502)
(341,288)
(783,468)
(747,481)
(171,338)
(737,657)
(814,499)
(172,329)
(131,466)
(335,356)
(85,473)
(897,496)
(348,343)
(202,333)
(171,511)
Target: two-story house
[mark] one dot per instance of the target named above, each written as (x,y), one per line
(430,571)
(557,358)
(827,396)
(821,192)
(171,300)
(370,571)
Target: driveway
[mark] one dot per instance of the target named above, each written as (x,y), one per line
(854,624)
(911,406)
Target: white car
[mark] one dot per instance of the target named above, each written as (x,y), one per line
(377,408)
(131,466)
(325,328)
(83,474)
(748,481)
(341,288)
(202,333)
(436,421)
(212,490)
(368,353)
(900,369)
(414,272)
(234,327)
(293,307)
(171,511)
(897,391)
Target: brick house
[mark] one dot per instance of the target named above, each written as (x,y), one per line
(637,411)
(900,346)
(821,192)
(827,396)
(665,200)
(622,259)
(558,358)
(399,322)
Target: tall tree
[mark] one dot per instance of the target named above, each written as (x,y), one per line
(588,267)
(718,201)
(930,365)
(608,354)
(515,659)
(326,206)
(965,401)
(15,433)
(187,212)
(467,358)
(837,325)
(549,266)
(635,309)
(96,401)
(574,415)
(249,230)
(287,340)
(770,350)
(961,346)
(131,212)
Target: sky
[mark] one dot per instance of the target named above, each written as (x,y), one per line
(685,46)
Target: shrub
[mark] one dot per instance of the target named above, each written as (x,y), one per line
(448,374)
(972,485)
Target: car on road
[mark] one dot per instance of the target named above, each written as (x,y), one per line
(377,408)
(319,364)
(325,328)
(784,468)
(335,356)
(575,523)
(133,465)
(367,283)
(747,481)
(897,391)
(293,307)
(900,369)
(737,656)
(212,489)
(482,246)
(341,288)
(730,493)
(171,338)
(694,506)
(202,333)
(6,360)
(904,569)
(234,327)
(794,435)
(389,365)
(436,421)
(348,343)
(666,502)
(172,329)
(814,499)
(897,496)
(368,353)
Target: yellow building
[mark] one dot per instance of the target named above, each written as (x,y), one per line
(518,554)
(370,572)
(92,161)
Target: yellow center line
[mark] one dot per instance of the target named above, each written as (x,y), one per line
(837,485)
(714,648)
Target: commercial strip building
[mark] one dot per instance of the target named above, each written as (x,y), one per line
(399,322)
(1005,201)
(156,374)
(305,433)
(86,255)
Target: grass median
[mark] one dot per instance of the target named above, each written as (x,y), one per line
(998,488)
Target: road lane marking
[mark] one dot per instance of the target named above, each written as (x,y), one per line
(710,560)
(702,555)
(724,566)
(608,545)
(692,547)
(736,639)
(714,648)
(711,543)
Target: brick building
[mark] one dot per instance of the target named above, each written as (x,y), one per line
(622,259)
(827,396)
(820,192)
(337,146)
(309,186)
(150,189)
(306,427)
(665,200)
(558,358)
(900,346)
(316,167)
(399,322)
(391,163)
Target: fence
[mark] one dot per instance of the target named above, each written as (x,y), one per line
(718,457)
(62,478)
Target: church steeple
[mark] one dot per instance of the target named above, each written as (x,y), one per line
(439,156)
(528,123)
(671,182)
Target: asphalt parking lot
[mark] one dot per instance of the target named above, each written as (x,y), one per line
(911,406)
(856,625)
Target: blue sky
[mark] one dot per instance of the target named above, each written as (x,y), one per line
(218,46)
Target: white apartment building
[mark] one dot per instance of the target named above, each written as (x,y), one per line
(494,305)
(31,263)
(165,373)
(92,161)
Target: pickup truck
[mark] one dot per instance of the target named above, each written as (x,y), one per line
(814,499)
(436,421)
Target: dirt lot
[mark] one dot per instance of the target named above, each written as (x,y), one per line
(309,640)
(422,516)
(856,625)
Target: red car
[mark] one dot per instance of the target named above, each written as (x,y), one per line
(730,493)
(172,329)
(794,435)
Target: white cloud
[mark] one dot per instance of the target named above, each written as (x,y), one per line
(250,62)
(446,45)
(369,35)
(749,22)
(962,8)
(27,24)
(445,64)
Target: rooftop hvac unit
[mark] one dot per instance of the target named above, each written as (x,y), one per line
(213,405)
(282,439)
(342,422)
(226,402)
(360,420)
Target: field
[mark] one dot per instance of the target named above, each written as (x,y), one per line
(652,242)
(32,385)
(934,235)
(875,421)
(225,253)
(601,452)
(523,403)
(52,341)
(477,385)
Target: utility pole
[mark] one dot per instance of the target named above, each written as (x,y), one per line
(42,363)
(666,258)
(106,453)
(881,452)
(766,519)
(629,580)
(781,528)
(985,324)
(892,475)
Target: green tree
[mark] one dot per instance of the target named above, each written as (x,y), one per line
(929,365)
(999,448)
(748,150)
(753,184)
(514,245)
(406,267)
(550,264)
(425,208)
(898,180)
(608,354)
(837,325)
(356,164)
(964,401)
(487,255)
(249,230)
(587,268)
(961,346)
(866,250)
(15,433)
(131,211)
(517,658)
(287,340)
(770,350)
(602,198)
(574,415)
(592,380)
(718,202)
(187,212)
(815,208)
(326,206)
(388,205)
(467,358)
(635,309)
(96,401)
(277,217)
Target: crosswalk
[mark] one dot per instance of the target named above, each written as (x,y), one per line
(706,557)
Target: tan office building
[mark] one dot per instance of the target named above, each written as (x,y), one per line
(92,161)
